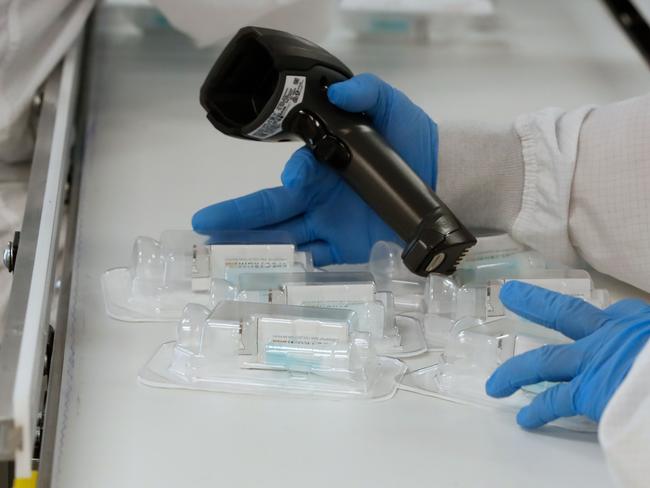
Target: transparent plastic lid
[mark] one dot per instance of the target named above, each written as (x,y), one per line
(473,351)
(183,267)
(269,348)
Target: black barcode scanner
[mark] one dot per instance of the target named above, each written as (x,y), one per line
(269,85)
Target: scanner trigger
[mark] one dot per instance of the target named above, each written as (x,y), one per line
(332,151)
(326,147)
(309,128)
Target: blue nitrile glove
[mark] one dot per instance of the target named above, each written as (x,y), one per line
(320,211)
(590,369)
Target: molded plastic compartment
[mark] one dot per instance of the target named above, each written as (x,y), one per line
(446,302)
(473,351)
(393,334)
(244,347)
(183,267)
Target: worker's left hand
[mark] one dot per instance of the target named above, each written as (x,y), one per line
(590,370)
(314,205)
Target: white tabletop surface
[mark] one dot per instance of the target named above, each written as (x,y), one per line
(152,159)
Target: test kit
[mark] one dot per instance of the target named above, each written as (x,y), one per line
(183,267)
(473,290)
(262,348)
(446,302)
(494,257)
(394,334)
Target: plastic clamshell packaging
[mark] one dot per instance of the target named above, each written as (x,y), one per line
(494,256)
(244,347)
(446,302)
(474,350)
(393,334)
(439,301)
(181,268)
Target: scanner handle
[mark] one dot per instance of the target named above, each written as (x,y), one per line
(348,143)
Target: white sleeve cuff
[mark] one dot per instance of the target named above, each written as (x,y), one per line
(549,141)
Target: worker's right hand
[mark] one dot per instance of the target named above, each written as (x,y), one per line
(320,211)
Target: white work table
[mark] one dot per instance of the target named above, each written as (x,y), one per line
(152,159)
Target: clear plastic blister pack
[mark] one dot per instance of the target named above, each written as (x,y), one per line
(473,290)
(445,301)
(254,316)
(244,347)
(393,334)
(485,260)
(183,267)
(474,349)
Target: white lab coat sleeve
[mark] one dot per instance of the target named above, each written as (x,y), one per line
(572,185)
(549,144)
(585,194)
(624,431)
(577,187)
(210,21)
(609,214)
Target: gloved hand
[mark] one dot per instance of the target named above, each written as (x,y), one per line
(590,370)
(320,211)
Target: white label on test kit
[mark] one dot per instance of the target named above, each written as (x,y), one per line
(299,332)
(228,261)
(292,94)
(343,292)
(370,315)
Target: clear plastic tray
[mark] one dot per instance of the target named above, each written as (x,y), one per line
(183,267)
(446,302)
(394,334)
(473,290)
(494,256)
(474,349)
(243,347)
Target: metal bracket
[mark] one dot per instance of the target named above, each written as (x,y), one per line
(11,252)
(24,343)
